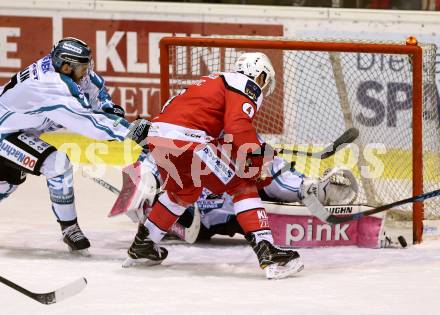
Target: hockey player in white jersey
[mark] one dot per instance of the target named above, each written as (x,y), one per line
(58,91)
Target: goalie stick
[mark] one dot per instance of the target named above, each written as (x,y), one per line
(188,234)
(50,297)
(347,137)
(357,216)
(319,210)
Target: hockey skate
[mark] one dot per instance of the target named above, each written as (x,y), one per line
(75,239)
(144,251)
(277,263)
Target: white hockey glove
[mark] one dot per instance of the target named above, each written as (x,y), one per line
(337,186)
(139,132)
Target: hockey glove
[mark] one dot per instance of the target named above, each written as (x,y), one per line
(115,110)
(139,132)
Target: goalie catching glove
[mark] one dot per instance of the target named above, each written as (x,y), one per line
(336,187)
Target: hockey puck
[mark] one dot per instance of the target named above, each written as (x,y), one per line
(402,241)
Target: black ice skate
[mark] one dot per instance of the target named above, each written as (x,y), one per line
(74,238)
(144,251)
(278,263)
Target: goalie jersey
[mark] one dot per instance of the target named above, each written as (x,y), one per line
(40,99)
(221,103)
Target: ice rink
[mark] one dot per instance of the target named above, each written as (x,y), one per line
(221,277)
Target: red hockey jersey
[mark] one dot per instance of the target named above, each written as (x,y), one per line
(216,104)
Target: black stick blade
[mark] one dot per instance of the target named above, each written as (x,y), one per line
(347,137)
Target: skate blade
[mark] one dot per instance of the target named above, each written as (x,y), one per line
(130,262)
(80,252)
(276,271)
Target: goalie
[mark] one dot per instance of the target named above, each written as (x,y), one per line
(337,186)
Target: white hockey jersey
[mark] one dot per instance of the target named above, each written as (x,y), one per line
(39,99)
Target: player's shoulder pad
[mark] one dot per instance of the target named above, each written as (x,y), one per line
(242,84)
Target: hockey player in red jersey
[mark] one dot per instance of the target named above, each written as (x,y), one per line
(184,141)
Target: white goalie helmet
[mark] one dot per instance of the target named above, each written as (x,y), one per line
(254,64)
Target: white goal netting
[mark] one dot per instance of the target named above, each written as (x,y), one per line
(320,94)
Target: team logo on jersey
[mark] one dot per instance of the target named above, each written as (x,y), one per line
(252,90)
(45,64)
(248,109)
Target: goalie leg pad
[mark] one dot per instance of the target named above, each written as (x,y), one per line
(139,186)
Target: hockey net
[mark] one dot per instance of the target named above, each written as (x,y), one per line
(386,90)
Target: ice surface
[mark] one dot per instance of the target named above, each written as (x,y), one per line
(217,278)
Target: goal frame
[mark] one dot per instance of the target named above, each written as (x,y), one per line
(411,48)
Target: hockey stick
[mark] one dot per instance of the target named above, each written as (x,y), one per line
(333,219)
(188,234)
(347,137)
(103,183)
(50,297)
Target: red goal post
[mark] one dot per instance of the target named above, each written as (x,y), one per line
(184,59)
